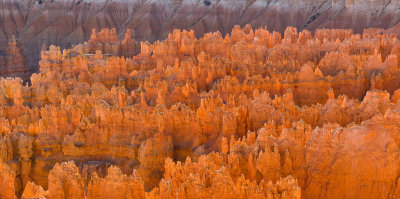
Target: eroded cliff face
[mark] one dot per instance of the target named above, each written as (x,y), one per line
(248,115)
(67,22)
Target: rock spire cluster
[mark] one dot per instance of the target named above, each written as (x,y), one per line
(252,114)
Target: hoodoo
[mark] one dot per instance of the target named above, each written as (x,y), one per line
(199,99)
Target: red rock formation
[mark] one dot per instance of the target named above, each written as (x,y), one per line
(206,179)
(252,115)
(104,41)
(65,181)
(14,64)
(33,191)
(116,185)
(7,177)
(151,155)
(129,47)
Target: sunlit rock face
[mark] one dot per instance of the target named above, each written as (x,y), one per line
(249,114)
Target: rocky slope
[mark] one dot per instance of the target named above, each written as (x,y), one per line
(65,22)
(249,115)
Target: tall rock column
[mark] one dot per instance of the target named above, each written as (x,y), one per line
(25,152)
(15,61)
(129,47)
